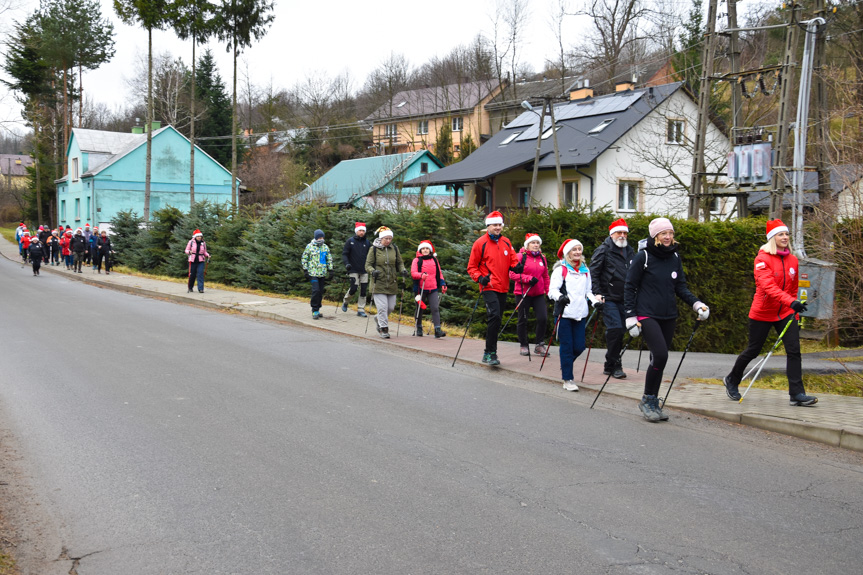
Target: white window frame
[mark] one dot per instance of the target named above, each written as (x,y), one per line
(620,195)
(601,126)
(675,132)
(510,138)
(547,134)
(75,169)
(391,132)
(422,127)
(77,209)
(63,210)
(570,189)
(457,124)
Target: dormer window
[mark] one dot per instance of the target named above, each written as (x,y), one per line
(549,132)
(601,126)
(401,104)
(74,169)
(510,138)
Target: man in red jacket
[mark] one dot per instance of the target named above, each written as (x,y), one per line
(491,259)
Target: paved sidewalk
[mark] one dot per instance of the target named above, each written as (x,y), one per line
(836,420)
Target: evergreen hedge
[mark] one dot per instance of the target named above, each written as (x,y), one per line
(262,251)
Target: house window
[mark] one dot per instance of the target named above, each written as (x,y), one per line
(716,205)
(392,132)
(456,148)
(510,138)
(601,126)
(422,127)
(88,207)
(457,124)
(74,169)
(676,131)
(77,208)
(63,210)
(627,196)
(523,196)
(424,167)
(570,194)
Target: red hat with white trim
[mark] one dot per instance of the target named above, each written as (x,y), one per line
(774,227)
(197,233)
(384,232)
(426,244)
(566,247)
(531,237)
(494,218)
(359,226)
(618,226)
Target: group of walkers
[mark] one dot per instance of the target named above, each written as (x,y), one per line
(635,293)
(51,246)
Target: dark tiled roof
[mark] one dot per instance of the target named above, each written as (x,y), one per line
(840,178)
(577,147)
(14,164)
(432,101)
(513,96)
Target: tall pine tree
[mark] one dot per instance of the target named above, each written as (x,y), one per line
(216,105)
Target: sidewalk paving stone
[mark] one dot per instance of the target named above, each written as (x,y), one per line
(835,420)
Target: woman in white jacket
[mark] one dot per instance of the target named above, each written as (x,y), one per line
(570,289)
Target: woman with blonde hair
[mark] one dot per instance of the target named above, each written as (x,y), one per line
(654,278)
(775,305)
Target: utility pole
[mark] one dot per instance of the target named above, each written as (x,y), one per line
(780,179)
(698,165)
(556,153)
(819,105)
(536,158)
(736,95)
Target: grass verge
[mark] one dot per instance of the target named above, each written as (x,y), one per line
(847,384)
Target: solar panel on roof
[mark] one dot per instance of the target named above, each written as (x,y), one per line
(596,107)
(525,119)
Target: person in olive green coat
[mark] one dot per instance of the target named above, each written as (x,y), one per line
(384,264)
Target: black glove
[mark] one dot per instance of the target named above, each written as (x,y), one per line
(519,269)
(563,300)
(483,280)
(376,274)
(349,267)
(598,304)
(532,282)
(799,306)
(330,275)
(405,273)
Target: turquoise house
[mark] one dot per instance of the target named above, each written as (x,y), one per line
(376,183)
(105,175)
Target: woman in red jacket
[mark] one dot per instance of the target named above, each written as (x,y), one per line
(774,304)
(531,285)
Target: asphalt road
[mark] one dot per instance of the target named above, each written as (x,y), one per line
(146,437)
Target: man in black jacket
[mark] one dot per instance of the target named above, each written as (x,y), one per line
(354,258)
(608,268)
(79,247)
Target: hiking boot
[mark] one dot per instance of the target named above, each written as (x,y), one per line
(661,409)
(439,333)
(490,359)
(540,349)
(649,406)
(569,385)
(803,399)
(361,313)
(344,306)
(385,332)
(525,350)
(607,370)
(731,388)
(315,314)
(618,373)
(418,331)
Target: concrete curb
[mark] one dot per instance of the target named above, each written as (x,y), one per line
(836,436)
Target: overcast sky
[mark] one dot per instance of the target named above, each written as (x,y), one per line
(328,37)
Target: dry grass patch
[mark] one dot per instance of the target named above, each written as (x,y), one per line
(847,384)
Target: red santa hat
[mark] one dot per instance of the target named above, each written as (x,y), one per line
(384,232)
(618,226)
(87,225)
(79,231)
(68,232)
(531,237)
(426,244)
(359,226)
(197,233)
(494,218)
(566,247)
(25,232)
(774,227)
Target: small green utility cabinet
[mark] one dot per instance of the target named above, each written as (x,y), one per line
(816,286)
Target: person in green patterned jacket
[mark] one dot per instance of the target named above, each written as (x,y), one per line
(384,263)
(317,265)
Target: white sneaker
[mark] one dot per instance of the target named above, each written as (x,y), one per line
(569,385)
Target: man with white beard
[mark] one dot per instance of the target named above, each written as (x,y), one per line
(608,268)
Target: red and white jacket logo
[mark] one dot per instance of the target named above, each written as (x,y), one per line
(760,265)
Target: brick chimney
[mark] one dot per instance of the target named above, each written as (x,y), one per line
(582,92)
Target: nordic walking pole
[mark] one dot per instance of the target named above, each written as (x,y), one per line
(764,362)
(548,347)
(418,314)
(640,349)
(469,321)
(697,324)
(515,311)
(593,333)
(401,299)
(620,357)
(368,315)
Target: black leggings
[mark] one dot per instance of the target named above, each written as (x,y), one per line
(540,309)
(657,334)
(494,303)
(758,332)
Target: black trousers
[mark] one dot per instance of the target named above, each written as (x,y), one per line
(657,334)
(494,304)
(758,332)
(540,310)
(37,263)
(97,261)
(318,285)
